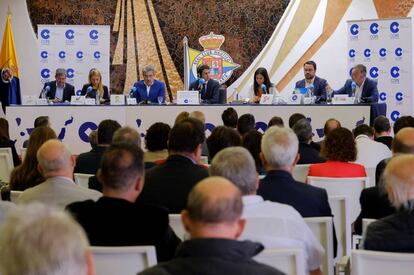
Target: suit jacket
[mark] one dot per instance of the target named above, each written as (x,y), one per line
(169,183)
(118,222)
(387,140)
(10,93)
(369,91)
(209,94)
(92,94)
(308,154)
(88,163)
(68,91)
(157,89)
(319,87)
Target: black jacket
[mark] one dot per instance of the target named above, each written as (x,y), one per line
(309,155)
(117,222)
(209,94)
(214,256)
(169,184)
(387,140)
(89,162)
(68,91)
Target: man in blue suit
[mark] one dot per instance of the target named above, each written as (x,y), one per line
(320,85)
(209,91)
(59,90)
(149,89)
(365,90)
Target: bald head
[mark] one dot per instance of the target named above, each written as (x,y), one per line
(54,159)
(399,181)
(403,142)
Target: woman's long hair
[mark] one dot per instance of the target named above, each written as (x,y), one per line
(100,89)
(267,82)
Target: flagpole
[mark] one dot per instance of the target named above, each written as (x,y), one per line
(186,64)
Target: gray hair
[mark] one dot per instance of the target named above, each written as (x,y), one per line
(237,165)
(303,130)
(198,115)
(148,68)
(279,146)
(36,239)
(127,134)
(60,71)
(60,162)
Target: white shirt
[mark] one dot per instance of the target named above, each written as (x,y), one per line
(370,152)
(358,90)
(272,91)
(59,92)
(284,228)
(148,89)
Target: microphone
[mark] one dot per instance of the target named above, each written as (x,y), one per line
(132,91)
(201,83)
(353,87)
(264,88)
(88,90)
(78,92)
(47,89)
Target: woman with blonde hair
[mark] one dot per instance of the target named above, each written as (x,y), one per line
(95,86)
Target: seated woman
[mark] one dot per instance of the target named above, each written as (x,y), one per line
(156,142)
(339,149)
(5,141)
(95,86)
(26,174)
(261,85)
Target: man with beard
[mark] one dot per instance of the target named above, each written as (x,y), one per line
(318,85)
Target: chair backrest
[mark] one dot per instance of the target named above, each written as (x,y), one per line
(340,210)
(125,260)
(300,172)
(381,263)
(23,153)
(82,179)
(14,195)
(349,187)
(322,229)
(177,226)
(372,177)
(365,223)
(289,261)
(6,164)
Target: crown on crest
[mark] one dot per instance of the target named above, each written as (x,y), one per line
(211,41)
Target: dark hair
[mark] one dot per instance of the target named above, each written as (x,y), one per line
(121,164)
(186,135)
(381,124)
(41,121)
(230,117)
(363,129)
(265,75)
(156,138)
(327,129)
(275,121)
(339,145)
(303,130)
(310,62)
(222,137)
(106,130)
(4,129)
(201,68)
(245,123)
(361,68)
(295,118)
(402,122)
(252,141)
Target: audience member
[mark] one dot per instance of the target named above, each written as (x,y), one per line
(26,175)
(402,122)
(245,123)
(128,135)
(295,118)
(394,233)
(6,142)
(307,153)
(230,117)
(369,152)
(156,142)
(252,142)
(237,165)
(200,116)
(115,219)
(38,240)
(169,183)
(222,137)
(88,163)
(181,116)
(330,124)
(39,121)
(275,121)
(340,150)
(93,139)
(56,166)
(213,220)
(382,129)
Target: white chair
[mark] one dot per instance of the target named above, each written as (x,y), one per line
(366,262)
(82,179)
(125,260)
(365,223)
(322,229)
(177,226)
(340,210)
(14,195)
(300,172)
(6,164)
(371,174)
(289,261)
(23,153)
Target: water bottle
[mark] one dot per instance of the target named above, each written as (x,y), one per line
(97,99)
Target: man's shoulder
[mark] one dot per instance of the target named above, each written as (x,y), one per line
(158,82)
(81,206)
(320,80)
(300,83)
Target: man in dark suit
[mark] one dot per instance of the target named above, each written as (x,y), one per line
(115,219)
(58,90)
(209,88)
(365,90)
(319,85)
(279,155)
(149,89)
(170,183)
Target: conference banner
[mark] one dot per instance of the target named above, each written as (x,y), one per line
(76,48)
(384,47)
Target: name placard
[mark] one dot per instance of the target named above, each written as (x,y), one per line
(343,99)
(296,99)
(131,101)
(41,101)
(188,97)
(266,99)
(77,100)
(117,99)
(29,100)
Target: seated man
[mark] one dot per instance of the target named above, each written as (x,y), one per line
(394,233)
(212,218)
(209,88)
(58,90)
(115,219)
(366,89)
(237,165)
(149,89)
(319,85)
(382,129)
